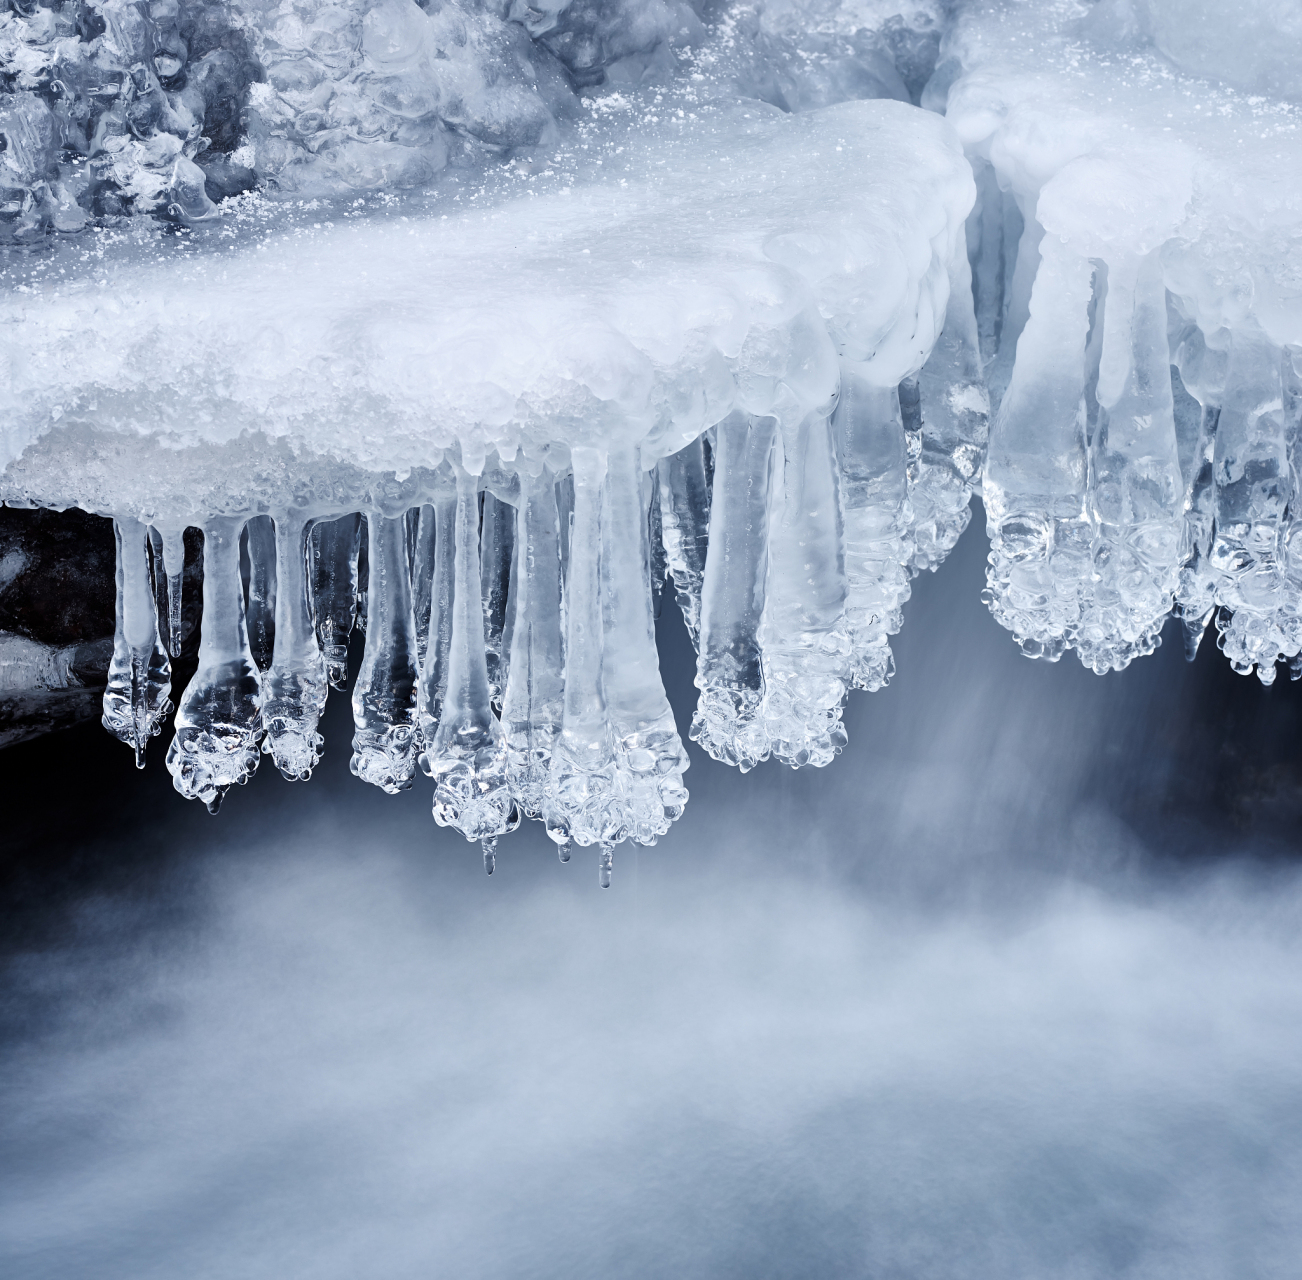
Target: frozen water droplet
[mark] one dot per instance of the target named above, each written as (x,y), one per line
(489,846)
(605,864)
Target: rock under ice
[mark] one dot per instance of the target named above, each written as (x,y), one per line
(470,322)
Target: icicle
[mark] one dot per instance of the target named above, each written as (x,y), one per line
(534,700)
(656,539)
(1136,490)
(496,541)
(955,413)
(384,697)
(489,847)
(334,550)
(1253,491)
(803,630)
(563,849)
(467,758)
(173,566)
(1036,471)
(872,466)
(259,546)
(565,511)
(648,750)
(442,589)
(685,516)
(605,864)
(729,672)
(294,689)
(219,722)
(422,580)
(583,772)
(139,679)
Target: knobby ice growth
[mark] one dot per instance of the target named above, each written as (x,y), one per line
(510,617)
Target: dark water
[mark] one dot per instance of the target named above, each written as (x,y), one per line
(1012,990)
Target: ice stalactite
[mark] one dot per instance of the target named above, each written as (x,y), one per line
(1201,372)
(650,755)
(580,805)
(422,579)
(1136,490)
(259,546)
(334,546)
(730,672)
(533,702)
(802,634)
(1036,472)
(440,591)
(467,757)
(172,540)
(497,540)
(954,423)
(1256,578)
(384,695)
(294,688)
(684,527)
(871,458)
(219,721)
(139,679)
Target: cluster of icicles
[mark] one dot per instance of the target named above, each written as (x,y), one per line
(510,622)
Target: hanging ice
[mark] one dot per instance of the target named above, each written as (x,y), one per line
(534,699)
(384,696)
(219,721)
(294,689)
(136,700)
(467,756)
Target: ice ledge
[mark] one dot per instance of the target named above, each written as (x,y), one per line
(642,294)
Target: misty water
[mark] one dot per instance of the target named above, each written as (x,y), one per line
(1011,990)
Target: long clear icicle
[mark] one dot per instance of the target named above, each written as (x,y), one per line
(260,598)
(803,630)
(533,704)
(650,755)
(685,527)
(219,722)
(583,782)
(467,758)
(384,696)
(136,698)
(1136,490)
(955,416)
(334,548)
(496,544)
(1036,471)
(729,671)
(294,689)
(877,519)
(442,595)
(422,580)
(173,565)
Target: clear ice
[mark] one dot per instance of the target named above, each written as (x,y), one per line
(558,303)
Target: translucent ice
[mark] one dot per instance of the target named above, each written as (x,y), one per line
(219,721)
(136,700)
(384,696)
(467,757)
(294,689)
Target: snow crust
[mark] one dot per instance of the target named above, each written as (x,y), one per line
(640,293)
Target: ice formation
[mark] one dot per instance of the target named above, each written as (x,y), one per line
(524,306)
